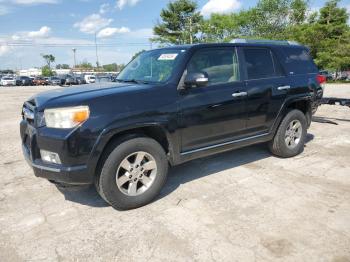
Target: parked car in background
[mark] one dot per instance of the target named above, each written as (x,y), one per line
(8,81)
(55,81)
(70,80)
(90,79)
(104,79)
(327,74)
(39,81)
(24,81)
(80,80)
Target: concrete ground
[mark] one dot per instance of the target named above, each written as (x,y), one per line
(244,205)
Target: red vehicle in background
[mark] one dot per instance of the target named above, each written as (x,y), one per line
(39,81)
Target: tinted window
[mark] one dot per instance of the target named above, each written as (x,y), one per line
(298,61)
(259,63)
(221,65)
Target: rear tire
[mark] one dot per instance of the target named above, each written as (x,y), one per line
(126,180)
(290,137)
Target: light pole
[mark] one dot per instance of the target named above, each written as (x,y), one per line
(97,62)
(75,61)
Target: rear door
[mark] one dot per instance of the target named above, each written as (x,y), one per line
(267,86)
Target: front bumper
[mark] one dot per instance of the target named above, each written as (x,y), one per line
(75,175)
(59,173)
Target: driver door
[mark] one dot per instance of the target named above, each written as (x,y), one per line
(215,113)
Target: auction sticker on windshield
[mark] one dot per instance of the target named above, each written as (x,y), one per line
(167,57)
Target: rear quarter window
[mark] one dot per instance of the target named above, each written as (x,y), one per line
(298,61)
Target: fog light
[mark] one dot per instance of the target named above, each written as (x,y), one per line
(50,157)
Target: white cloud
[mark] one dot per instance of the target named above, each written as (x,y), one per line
(34,2)
(92,23)
(4,10)
(220,6)
(122,3)
(110,31)
(43,32)
(348,8)
(104,8)
(4,49)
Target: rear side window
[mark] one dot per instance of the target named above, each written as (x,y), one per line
(298,61)
(259,63)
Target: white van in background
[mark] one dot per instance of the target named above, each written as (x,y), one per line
(90,79)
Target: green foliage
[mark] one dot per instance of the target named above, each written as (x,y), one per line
(62,66)
(113,67)
(85,65)
(46,71)
(137,54)
(326,32)
(327,36)
(180,23)
(48,59)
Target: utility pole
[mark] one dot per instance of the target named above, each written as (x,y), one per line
(75,61)
(97,63)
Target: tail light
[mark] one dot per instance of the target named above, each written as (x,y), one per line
(321,79)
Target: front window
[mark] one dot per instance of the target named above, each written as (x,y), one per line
(153,66)
(221,65)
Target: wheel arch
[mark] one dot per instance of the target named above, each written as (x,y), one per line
(301,103)
(112,138)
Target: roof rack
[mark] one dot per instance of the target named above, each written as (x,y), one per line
(263,41)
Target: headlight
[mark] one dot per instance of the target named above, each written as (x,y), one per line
(67,117)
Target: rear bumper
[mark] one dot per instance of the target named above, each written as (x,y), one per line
(72,175)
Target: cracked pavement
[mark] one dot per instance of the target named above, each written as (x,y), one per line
(244,205)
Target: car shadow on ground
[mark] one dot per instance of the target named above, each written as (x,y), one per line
(184,173)
(328,120)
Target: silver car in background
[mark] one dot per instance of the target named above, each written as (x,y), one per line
(8,81)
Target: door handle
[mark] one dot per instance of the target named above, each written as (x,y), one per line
(240,94)
(283,88)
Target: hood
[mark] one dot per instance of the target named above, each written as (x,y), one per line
(80,93)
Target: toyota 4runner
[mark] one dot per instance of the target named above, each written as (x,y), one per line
(167,107)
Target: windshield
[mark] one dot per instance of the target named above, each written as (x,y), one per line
(152,66)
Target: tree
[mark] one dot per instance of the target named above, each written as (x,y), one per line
(137,54)
(180,23)
(48,59)
(298,11)
(269,19)
(62,66)
(327,36)
(46,71)
(85,65)
(113,67)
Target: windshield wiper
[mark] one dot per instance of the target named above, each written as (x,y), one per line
(132,81)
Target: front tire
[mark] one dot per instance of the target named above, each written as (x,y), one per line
(133,174)
(290,137)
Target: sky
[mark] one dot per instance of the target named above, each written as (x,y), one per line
(29,28)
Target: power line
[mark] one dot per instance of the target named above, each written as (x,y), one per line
(72,45)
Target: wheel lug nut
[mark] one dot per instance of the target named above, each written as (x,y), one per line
(130,176)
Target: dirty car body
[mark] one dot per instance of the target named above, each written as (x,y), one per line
(188,121)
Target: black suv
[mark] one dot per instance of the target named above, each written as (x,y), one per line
(170,106)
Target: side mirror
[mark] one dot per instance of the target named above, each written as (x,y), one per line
(196,80)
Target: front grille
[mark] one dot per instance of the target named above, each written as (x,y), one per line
(28,112)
